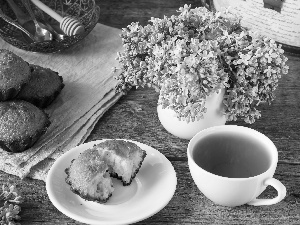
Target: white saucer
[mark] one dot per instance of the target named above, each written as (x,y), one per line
(149,192)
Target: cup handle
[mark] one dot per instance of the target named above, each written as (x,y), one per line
(281,191)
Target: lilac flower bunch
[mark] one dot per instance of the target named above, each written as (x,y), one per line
(10,199)
(188,57)
(254,65)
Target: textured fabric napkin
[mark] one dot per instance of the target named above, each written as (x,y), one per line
(88,93)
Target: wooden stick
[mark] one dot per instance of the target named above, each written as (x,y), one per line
(70,26)
(48,10)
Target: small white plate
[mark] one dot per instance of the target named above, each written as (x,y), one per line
(150,191)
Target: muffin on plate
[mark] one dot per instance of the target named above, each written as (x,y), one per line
(89,174)
(124,158)
(42,88)
(14,73)
(21,125)
(89,177)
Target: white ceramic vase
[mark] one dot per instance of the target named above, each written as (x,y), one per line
(184,130)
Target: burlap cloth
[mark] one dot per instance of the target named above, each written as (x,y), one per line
(88,93)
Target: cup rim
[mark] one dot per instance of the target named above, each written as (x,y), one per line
(254,133)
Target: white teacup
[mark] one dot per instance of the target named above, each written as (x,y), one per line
(232,165)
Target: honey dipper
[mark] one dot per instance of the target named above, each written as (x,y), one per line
(68,24)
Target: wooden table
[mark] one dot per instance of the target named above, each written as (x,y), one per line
(134,117)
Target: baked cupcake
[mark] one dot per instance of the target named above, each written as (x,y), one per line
(14,73)
(89,178)
(89,174)
(43,87)
(21,125)
(124,158)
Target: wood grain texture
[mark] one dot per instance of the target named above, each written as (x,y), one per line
(134,117)
(121,13)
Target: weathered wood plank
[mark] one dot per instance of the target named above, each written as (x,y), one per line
(119,14)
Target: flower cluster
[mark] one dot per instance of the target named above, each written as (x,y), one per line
(196,53)
(10,209)
(254,65)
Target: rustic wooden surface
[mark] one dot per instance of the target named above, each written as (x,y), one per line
(134,117)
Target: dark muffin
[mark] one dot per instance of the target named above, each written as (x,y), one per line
(43,87)
(14,73)
(89,174)
(21,125)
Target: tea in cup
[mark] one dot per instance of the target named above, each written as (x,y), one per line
(232,165)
